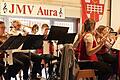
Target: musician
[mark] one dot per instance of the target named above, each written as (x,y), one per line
(105,54)
(44,30)
(21,56)
(89,48)
(16,28)
(12,70)
(37,58)
(46,57)
(35,29)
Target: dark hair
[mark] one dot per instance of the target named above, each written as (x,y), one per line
(88,24)
(35,26)
(101,28)
(44,25)
(1,22)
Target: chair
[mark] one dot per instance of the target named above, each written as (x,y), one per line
(86,74)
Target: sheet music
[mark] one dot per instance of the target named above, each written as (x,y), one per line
(117,43)
(10,57)
(45,47)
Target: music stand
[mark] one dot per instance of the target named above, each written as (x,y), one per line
(13,42)
(68,38)
(57,32)
(33,42)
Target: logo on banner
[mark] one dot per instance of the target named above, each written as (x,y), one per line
(93,9)
(19,9)
(5,8)
(60,13)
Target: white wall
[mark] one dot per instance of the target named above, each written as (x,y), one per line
(115,15)
(105,18)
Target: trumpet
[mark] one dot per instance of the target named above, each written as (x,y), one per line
(24,26)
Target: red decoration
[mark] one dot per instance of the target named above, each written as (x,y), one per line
(93,8)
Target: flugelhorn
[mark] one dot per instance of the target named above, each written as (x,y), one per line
(25,26)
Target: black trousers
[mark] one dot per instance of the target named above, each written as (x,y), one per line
(25,60)
(36,59)
(12,70)
(103,71)
(2,67)
(109,59)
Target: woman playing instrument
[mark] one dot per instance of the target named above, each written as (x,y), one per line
(89,48)
(104,54)
(35,29)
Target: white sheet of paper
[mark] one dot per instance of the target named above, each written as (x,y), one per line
(45,47)
(10,57)
(117,43)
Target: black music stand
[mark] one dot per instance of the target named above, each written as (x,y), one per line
(13,42)
(33,42)
(67,39)
(57,32)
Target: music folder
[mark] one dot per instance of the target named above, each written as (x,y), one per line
(33,42)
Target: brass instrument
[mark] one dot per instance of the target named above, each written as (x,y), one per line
(25,26)
(34,28)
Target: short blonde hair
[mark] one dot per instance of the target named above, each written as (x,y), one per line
(16,21)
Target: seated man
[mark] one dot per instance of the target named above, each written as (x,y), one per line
(39,56)
(36,58)
(21,56)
